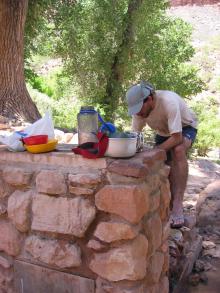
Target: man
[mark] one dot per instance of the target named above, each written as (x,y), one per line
(175,125)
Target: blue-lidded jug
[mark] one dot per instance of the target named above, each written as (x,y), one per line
(87,120)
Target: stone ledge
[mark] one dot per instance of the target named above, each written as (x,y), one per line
(52,158)
(129,168)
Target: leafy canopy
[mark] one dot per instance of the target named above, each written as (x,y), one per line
(107,45)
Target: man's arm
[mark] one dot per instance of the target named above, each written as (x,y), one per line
(172,141)
(138,123)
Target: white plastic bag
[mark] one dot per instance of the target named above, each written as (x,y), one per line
(41,126)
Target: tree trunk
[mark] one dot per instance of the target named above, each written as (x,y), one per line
(15,101)
(115,80)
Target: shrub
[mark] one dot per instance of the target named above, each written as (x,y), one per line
(209,124)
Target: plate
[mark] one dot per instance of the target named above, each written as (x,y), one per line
(65,147)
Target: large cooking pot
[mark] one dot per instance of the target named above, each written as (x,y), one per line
(121,147)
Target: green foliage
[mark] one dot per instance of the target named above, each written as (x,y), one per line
(63,116)
(39,83)
(104,58)
(108,45)
(209,124)
(38,30)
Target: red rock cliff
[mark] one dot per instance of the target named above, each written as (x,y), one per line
(192,2)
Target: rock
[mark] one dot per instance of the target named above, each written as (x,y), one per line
(128,262)
(3,209)
(6,282)
(190,220)
(177,236)
(166,264)
(166,231)
(95,245)
(5,189)
(128,168)
(89,180)
(129,202)
(165,194)
(16,176)
(109,232)
(153,155)
(67,137)
(53,253)
(204,278)
(212,252)
(208,244)
(152,183)
(154,201)
(62,215)
(80,190)
(154,238)
(194,279)
(116,179)
(165,198)
(51,182)
(74,139)
(164,285)
(164,172)
(5,263)
(10,239)
(199,266)
(19,207)
(104,286)
(154,268)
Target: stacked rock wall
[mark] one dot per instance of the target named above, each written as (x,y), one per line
(68,224)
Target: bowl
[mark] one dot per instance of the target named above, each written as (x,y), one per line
(121,147)
(42,148)
(35,139)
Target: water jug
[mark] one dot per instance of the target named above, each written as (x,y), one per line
(87,120)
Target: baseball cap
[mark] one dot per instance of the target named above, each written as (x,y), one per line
(136,95)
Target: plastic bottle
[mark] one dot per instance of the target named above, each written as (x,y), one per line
(87,124)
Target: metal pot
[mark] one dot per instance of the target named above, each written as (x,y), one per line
(121,147)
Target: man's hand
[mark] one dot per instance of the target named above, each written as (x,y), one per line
(172,141)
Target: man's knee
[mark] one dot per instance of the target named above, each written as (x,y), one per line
(179,152)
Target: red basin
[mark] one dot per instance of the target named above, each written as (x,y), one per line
(35,139)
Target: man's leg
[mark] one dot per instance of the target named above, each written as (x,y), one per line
(178,180)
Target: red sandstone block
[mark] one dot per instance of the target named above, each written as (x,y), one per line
(129,168)
(127,262)
(129,202)
(10,238)
(154,154)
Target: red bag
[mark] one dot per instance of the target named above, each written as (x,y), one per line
(93,150)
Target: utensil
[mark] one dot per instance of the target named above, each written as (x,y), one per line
(140,140)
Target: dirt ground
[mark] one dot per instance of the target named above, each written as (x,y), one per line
(203,188)
(203,195)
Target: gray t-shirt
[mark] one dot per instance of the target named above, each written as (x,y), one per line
(169,116)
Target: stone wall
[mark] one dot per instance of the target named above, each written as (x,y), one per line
(193,2)
(69,224)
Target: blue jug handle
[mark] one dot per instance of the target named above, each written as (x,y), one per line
(106,125)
